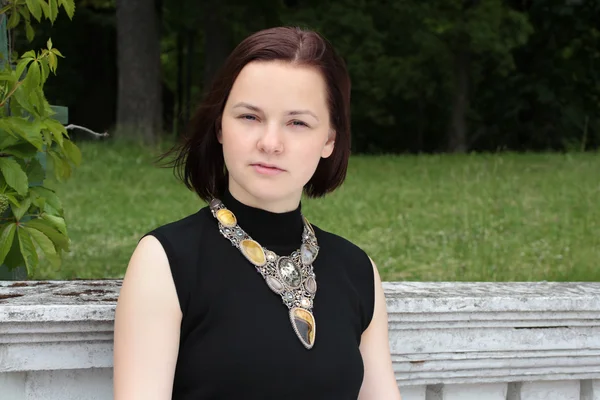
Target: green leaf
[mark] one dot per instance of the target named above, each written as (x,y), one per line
(57,129)
(33,78)
(72,152)
(53,13)
(46,245)
(52,61)
(41,103)
(13,174)
(21,150)
(48,208)
(30,55)
(50,197)
(14,259)
(45,72)
(35,172)
(21,66)
(6,240)
(62,169)
(29,31)
(56,165)
(49,43)
(56,222)
(36,200)
(22,97)
(7,140)
(24,11)
(45,8)
(69,6)
(35,8)
(6,128)
(22,209)
(14,20)
(28,130)
(12,199)
(6,75)
(27,249)
(58,53)
(60,240)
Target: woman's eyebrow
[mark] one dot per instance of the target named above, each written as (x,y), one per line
(292,112)
(247,105)
(302,112)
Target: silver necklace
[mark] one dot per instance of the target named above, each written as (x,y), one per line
(292,277)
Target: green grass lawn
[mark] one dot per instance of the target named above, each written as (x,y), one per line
(505,217)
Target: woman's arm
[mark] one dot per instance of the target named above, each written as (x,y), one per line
(147,323)
(379,381)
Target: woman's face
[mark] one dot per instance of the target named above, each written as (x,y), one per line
(275,129)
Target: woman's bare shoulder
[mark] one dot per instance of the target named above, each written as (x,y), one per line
(147,321)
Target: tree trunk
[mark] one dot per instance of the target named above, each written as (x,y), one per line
(189,76)
(139,103)
(457,135)
(216,40)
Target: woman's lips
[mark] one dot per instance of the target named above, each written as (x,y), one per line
(266,169)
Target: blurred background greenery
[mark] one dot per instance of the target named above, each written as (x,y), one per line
(475,128)
(428,76)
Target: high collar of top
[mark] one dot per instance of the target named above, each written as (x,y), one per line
(266,227)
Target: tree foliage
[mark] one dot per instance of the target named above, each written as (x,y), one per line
(32,222)
(486,74)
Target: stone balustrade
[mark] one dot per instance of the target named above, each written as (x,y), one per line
(467,341)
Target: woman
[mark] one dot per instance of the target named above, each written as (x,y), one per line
(246,299)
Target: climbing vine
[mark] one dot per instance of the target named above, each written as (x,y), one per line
(32,224)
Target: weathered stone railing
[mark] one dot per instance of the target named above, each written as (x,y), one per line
(480,341)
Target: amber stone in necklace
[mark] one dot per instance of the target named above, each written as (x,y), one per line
(253,252)
(226,217)
(304,325)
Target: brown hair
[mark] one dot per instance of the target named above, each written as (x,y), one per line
(199,159)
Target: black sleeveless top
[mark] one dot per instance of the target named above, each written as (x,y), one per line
(236,339)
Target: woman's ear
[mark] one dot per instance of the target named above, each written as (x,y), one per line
(329,145)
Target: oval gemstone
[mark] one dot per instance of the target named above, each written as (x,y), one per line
(226,217)
(311,285)
(271,256)
(253,252)
(304,326)
(308,253)
(215,203)
(274,284)
(289,296)
(289,272)
(305,302)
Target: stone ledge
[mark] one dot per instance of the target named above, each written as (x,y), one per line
(58,325)
(461,297)
(450,333)
(468,333)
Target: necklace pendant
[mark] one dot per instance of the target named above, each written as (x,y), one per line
(303,322)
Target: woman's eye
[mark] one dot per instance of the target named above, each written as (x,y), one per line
(299,123)
(248,117)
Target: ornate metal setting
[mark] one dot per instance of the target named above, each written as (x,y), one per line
(292,277)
